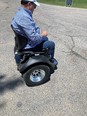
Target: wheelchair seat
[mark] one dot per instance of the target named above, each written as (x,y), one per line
(20,43)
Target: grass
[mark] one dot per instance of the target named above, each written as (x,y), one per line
(76,3)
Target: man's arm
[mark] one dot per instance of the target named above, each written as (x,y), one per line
(30,29)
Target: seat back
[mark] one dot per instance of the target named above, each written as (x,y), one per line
(20,41)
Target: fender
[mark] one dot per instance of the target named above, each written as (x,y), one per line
(35,60)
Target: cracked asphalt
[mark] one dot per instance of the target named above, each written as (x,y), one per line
(66,93)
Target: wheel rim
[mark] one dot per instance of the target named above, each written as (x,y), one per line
(37,75)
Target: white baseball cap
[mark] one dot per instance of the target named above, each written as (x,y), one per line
(34,1)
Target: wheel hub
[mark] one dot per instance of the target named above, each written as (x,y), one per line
(37,75)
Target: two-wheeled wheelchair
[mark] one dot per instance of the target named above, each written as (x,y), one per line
(35,67)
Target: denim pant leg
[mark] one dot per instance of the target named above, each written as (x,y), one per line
(51,47)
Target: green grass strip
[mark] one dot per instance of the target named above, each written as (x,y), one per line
(76,3)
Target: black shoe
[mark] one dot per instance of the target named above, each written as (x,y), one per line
(54,61)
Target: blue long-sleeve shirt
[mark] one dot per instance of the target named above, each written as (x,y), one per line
(24,24)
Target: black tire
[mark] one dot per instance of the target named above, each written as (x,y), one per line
(37,75)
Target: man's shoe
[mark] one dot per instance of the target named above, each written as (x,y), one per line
(54,61)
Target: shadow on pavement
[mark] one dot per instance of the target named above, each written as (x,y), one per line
(2,77)
(9,85)
(3,104)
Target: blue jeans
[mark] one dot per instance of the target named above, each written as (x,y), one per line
(51,47)
(44,44)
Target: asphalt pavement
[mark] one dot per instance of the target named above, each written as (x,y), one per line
(66,93)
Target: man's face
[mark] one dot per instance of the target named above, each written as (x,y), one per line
(32,6)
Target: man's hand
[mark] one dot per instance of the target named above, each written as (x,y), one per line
(44,33)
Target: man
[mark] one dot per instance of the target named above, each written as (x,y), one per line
(24,24)
(68,2)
